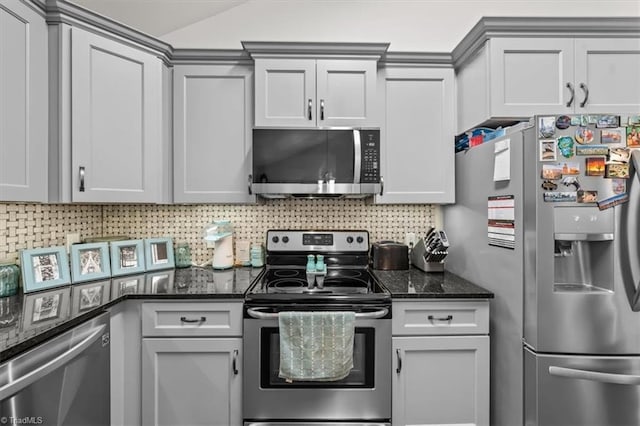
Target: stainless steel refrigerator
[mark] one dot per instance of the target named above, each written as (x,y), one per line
(547,217)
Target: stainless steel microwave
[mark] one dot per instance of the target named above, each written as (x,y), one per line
(316,162)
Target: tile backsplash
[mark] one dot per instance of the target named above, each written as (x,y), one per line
(25,226)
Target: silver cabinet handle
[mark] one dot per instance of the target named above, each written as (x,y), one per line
(573,94)
(32,376)
(596,376)
(256,313)
(321,109)
(234,364)
(250,183)
(585,89)
(381,185)
(309,108)
(447,318)
(193,320)
(399,367)
(81,178)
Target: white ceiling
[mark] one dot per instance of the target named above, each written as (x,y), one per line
(158,17)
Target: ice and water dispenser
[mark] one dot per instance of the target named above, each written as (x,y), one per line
(583,249)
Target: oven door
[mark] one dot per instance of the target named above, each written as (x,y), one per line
(364,395)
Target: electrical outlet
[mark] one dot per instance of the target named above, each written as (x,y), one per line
(72,238)
(410,239)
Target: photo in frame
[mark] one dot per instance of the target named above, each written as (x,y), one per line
(160,282)
(130,284)
(85,297)
(127,257)
(90,262)
(158,253)
(45,308)
(44,268)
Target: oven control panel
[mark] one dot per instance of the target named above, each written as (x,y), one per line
(322,241)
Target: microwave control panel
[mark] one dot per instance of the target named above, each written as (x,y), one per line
(370,147)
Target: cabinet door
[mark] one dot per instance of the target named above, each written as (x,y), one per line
(346,92)
(191,381)
(116,121)
(285,92)
(23,103)
(529,76)
(417,132)
(441,380)
(609,71)
(212,134)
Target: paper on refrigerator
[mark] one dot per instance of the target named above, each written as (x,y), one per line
(502,160)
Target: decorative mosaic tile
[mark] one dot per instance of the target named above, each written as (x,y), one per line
(45,225)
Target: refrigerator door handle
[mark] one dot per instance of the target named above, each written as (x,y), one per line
(635,160)
(596,376)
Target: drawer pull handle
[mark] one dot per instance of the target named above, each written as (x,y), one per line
(447,318)
(235,362)
(189,320)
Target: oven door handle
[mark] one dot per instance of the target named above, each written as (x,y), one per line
(255,313)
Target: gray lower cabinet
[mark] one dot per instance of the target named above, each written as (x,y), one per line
(23,102)
(212,113)
(191,363)
(441,356)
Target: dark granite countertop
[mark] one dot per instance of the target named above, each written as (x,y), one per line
(29,319)
(416,284)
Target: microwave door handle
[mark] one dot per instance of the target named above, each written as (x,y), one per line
(357,156)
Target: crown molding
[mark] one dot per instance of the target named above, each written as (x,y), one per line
(432,59)
(262,49)
(587,27)
(210,56)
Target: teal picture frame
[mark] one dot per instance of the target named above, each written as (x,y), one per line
(127,257)
(44,268)
(158,253)
(90,262)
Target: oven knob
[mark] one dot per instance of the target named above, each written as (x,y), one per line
(275,239)
(349,240)
(285,239)
(360,240)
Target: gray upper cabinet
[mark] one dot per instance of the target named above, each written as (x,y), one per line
(109,130)
(212,133)
(315,93)
(23,103)
(417,133)
(518,77)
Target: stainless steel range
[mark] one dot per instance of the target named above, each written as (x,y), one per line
(361,398)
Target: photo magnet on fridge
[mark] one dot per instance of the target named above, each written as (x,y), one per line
(617,171)
(551,171)
(548,150)
(613,201)
(587,196)
(633,136)
(592,150)
(547,126)
(554,197)
(619,155)
(612,136)
(594,166)
(618,186)
(608,121)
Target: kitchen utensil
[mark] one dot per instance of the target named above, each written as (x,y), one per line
(389,255)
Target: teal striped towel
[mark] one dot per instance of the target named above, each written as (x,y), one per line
(316,346)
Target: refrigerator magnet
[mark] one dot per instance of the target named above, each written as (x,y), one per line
(584,135)
(617,171)
(565,145)
(608,121)
(555,197)
(613,201)
(549,185)
(619,155)
(584,196)
(633,136)
(551,171)
(548,150)
(619,186)
(563,122)
(633,120)
(594,166)
(570,168)
(611,136)
(547,126)
(592,150)
(571,181)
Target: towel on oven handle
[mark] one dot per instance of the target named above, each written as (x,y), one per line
(316,346)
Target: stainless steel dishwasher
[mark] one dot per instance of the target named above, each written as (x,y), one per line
(64,381)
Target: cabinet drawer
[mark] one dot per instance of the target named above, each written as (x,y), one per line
(192,319)
(440,317)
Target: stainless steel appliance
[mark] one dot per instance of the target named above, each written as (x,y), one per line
(364,396)
(389,255)
(64,381)
(548,221)
(318,162)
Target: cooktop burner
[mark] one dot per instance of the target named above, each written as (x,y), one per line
(335,282)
